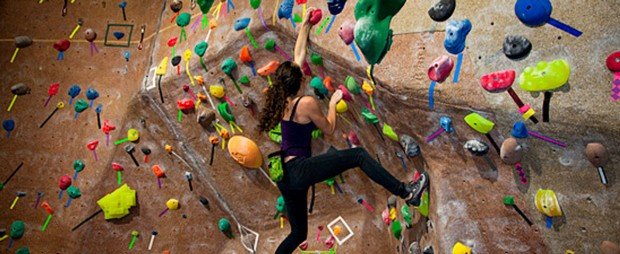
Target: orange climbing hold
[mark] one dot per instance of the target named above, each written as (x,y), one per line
(269,69)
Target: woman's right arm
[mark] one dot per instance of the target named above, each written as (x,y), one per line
(326,124)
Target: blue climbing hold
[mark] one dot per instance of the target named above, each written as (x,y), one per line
(456,33)
(446,123)
(335,7)
(8,125)
(286,9)
(241,23)
(533,12)
(92,94)
(74,91)
(119,35)
(519,130)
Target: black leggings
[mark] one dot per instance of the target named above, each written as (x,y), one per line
(301,173)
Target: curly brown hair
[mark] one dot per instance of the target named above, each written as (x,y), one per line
(288,78)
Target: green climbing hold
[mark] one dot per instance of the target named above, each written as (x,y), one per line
(1,186)
(317,133)
(80,105)
(509,200)
(228,66)
(255,4)
(424,203)
(280,205)
(205,5)
(73,192)
(183,19)
(396,229)
(23,250)
(224,225)
(369,117)
(275,134)
(352,85)
(296,18)
(244,79)
(330,181)
(78,165)
(317,84)
(406,215)
(372,31)
(224,110)
(270,45)
(17,229)
(316,59)
(201,48)
(389,132)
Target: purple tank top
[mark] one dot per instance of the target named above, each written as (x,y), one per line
(296,137)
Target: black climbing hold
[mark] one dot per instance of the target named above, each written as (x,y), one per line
(204,201)
(119,35)
(442,10)
(517,47)
(176,60)
(176,6)
(145,150)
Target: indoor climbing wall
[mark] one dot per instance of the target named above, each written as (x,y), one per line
(452,85)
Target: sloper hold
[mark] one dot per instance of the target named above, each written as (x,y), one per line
(597,154)
(497,82)
(346,31)
(23,41)
(335,7)
(20,89)
(442,10)
(511,151)
(613,61)
(183,19)
(372,30)
(176,60)
(241,23)
(545,76)
(456,34)
(516,47)
(201,48)
(228,66)
(533,13)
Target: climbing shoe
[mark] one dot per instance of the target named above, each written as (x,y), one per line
(416,189)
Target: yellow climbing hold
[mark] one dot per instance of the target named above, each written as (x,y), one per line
(479,123)
(460,248)
(547,203)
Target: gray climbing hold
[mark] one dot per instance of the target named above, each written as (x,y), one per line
(23,41)
(20,89)
(516,47)
(442,10)
(476,147)
(411,147)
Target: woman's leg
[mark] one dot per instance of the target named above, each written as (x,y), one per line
(319,168)
(296,207)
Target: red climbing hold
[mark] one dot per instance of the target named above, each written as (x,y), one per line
(497,82)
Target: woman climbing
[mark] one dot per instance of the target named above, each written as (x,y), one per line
(299,115)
